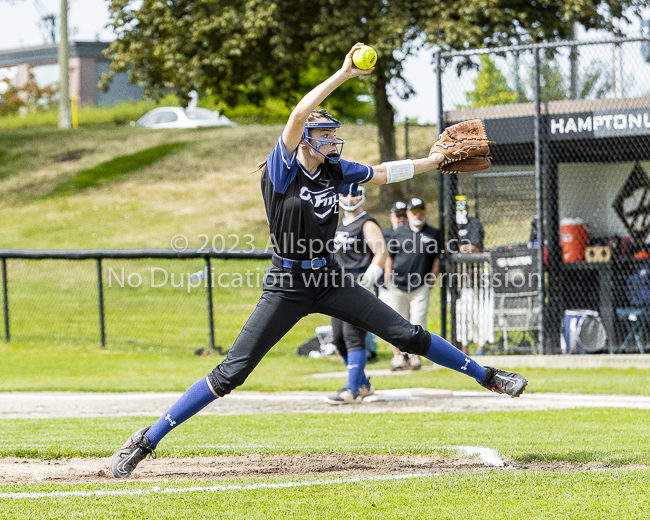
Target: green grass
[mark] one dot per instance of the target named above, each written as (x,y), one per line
(54,302)
(156,330)
(574,435)
(562,435)
(576,495)
(119,114)
(113,170)
(205,188)
(91,369)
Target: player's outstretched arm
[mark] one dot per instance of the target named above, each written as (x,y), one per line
(294,129)
(461,148)
(419,166)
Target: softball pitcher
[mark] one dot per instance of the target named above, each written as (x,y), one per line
(301,182)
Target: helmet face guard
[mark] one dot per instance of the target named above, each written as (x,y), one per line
(317,144)
(358,199)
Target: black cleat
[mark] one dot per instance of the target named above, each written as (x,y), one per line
(136,449)
(503,382)
(344,396)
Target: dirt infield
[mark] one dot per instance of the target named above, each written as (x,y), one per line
(415,400)
(82,471)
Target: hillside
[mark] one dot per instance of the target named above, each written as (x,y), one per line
(127,187)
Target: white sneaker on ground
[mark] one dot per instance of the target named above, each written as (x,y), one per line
(414,362)
(399,362)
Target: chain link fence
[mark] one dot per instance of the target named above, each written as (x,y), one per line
(571,125)
(141,300)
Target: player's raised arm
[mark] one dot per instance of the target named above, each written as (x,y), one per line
(294,130)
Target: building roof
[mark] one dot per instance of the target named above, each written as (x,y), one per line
(49,54)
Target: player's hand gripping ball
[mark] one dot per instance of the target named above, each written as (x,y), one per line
(365,57)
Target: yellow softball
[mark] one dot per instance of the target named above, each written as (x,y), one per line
(365,57)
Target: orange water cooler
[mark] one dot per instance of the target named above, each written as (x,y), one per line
(574,235)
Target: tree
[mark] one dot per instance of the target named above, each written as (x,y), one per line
(256,48)
(490,87)
(595,82)
(29,97)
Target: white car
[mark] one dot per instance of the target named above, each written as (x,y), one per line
(179,117)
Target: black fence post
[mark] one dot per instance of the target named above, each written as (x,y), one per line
(441,204)
(208,281)
(5,299)
(100,300)
(539,198)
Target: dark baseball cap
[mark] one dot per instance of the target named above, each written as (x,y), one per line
(398,206)
(415,203)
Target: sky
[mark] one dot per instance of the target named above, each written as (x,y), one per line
(87,19)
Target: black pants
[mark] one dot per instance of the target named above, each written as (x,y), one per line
(288,297)
(347,338)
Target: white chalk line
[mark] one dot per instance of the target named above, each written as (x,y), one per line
(199,489)
(486,454)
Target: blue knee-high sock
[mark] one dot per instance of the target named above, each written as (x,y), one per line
(357,360)
(365,380)
(195,398)
(444,353)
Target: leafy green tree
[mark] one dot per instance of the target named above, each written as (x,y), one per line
(595,81)
(552,86)
(490,87)
(255,49)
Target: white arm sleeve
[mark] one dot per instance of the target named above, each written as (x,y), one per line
(397,171)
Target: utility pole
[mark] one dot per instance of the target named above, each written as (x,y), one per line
(64,70)
(618,62)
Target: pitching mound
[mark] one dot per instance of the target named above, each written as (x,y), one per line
(77,471)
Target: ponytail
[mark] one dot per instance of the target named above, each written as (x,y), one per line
(258,167)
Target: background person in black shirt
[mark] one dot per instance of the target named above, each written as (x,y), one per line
(411,270)
(397,218)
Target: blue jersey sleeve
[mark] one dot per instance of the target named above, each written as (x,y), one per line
(281,168)
(355,172)
(353,175)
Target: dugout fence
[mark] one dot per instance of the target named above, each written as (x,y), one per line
(565,208)
(136,297)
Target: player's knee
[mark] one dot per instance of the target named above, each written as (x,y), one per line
(420,343)
(223,384)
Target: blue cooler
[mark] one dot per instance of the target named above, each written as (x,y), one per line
(584,332)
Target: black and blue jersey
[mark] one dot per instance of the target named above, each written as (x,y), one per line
(352,251)
(302,209)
